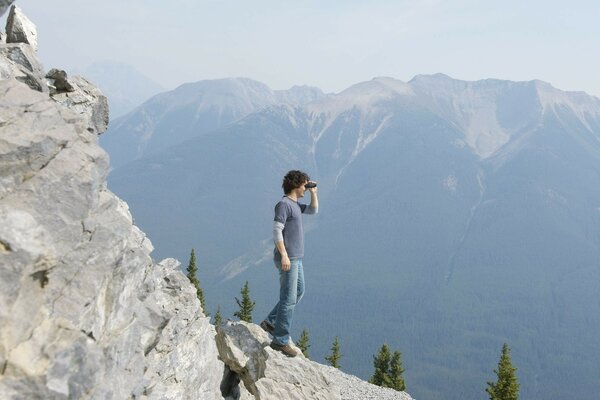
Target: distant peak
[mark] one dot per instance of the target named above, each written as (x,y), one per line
(228,84)
(433,77)
(305,87)
(385,79)
(378,85)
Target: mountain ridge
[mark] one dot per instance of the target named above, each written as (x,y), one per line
(190,110)
(444,211)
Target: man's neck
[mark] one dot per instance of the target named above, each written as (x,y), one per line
(292,196)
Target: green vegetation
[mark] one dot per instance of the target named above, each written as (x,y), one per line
(388,369)
(303,343)
(381,362)
(246,305)
(192,276)
(218,317)
(334,358)
(507,386)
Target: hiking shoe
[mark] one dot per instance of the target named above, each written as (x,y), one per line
(285,349)
(267,327)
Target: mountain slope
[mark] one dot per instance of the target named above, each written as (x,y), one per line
(190,110)
(455,216)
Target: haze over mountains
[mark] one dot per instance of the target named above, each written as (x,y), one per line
(455,216)
(124,85)
(191,110)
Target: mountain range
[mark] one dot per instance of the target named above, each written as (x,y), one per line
(191,110)
(455,216)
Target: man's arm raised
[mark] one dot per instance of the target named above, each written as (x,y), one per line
(313,208)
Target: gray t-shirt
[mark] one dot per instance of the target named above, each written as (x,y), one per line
(289,213)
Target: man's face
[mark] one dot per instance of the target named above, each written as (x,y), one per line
(300,190)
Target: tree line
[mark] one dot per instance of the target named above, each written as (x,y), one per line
(388,370)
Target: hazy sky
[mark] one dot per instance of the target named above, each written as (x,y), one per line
(329,44)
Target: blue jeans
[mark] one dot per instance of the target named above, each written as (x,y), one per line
(291,290)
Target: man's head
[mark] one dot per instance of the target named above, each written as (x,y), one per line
(294,180)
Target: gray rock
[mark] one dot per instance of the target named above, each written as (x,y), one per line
(58,80)
(19,29)
(4,4)
(353,388)
(84,310)
(266,373)
(19,61)
(87,101)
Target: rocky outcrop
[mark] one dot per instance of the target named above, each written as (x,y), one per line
(85,313)
(83,98)
(269,374)
(18,61)
(19,29)
(266,373)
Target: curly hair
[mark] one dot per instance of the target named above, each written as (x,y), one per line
(294,179)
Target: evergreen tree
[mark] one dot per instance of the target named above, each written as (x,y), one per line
(507,386)
(334,358)
(192,276)
(218,317)
(396,371)
(246,305)
(303,343)
(388,369)
(381,362)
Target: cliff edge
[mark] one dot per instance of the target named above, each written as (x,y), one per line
(84,310)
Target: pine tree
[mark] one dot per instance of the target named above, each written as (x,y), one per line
(303,343)
(192,276)
(381,362)
(388,369)
(218,317)
(334,358)
(507,386)
(396,371)
(246,305)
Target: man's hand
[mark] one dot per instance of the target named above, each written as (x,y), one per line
(312,190)
(285,262)
(314,199)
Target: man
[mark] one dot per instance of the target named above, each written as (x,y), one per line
(288,236)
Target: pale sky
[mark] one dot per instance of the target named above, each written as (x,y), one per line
(326,43)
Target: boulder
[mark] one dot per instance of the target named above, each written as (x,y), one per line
(57,80)
(19,29)
(87,101)
(19,61)
(267,373)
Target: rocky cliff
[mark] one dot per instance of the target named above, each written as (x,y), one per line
(85,312)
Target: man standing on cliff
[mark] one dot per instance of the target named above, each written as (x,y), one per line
(288,236)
